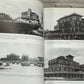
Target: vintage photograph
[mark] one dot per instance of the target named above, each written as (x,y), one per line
(64,62)
(63,3)
(21,62)
(64,23)
(21,17)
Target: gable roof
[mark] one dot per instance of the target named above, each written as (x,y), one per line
(73,14)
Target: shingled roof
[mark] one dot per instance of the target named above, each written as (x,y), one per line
(73,14)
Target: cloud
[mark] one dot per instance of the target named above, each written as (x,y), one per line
(52,52)
(15,7)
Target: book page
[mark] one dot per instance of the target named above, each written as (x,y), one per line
(64,45)
(63,3)
(21,42)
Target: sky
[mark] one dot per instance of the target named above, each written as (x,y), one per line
(14,8)
(51,15)
(54,49)
(21,48)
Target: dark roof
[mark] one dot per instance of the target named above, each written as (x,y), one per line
(33,13)
(73,14)
(82,65)
(76,62)
(25,12)
(61,57)
(69,56)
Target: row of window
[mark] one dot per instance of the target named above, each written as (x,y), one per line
(70,19)
(65,75)
(63,63)
(61,69)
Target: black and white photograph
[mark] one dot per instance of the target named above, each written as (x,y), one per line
(21,62)
(63,62)
(63,3)
(64,23)
(21,17)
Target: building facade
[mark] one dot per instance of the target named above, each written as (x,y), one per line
(41,62)
(71,24)
(30,16)
(82,67)
(63,67)
(32,21)
(68,27)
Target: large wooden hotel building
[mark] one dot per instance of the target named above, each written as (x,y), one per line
(64,68)
(68,27)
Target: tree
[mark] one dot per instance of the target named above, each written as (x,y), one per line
(4,16)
